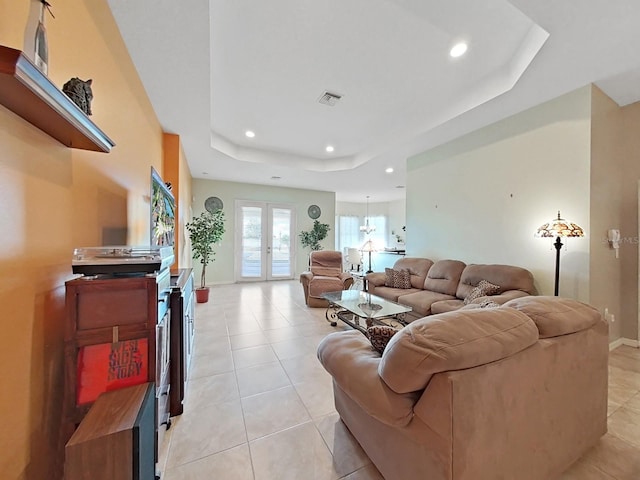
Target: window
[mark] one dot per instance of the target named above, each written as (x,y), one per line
(348,232)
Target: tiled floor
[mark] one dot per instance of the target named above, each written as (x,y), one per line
(260,406)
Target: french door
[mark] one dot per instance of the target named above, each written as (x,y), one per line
(265,241)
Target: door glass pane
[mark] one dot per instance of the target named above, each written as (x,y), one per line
(251,241)
(281,242)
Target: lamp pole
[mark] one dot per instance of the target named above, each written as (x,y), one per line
(369,271)
(558,245)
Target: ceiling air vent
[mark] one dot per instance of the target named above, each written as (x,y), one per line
(328,98)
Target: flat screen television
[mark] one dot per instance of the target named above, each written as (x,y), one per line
(163,209)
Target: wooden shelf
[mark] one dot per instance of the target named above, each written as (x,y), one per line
(27,92)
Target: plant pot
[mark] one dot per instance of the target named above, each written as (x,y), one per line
(202,295)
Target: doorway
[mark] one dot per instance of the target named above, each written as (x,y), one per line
(264,248)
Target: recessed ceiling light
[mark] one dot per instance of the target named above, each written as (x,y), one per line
(389,170)
(275,177)
(399,186)
(205,173)
(250,134)
(458,50)
(329,148)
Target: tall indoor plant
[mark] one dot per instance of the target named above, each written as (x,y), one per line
(204,231)
(313,237)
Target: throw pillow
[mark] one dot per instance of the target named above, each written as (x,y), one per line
(397,278)
(484,288)
(379,336)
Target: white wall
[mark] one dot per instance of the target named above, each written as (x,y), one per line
(480,198)
(222,269)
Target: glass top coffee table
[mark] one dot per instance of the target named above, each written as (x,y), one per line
(361,310)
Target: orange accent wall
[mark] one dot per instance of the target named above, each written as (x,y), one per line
(176,171)
(55,199)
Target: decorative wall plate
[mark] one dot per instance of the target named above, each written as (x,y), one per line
(213,204)
(314,211)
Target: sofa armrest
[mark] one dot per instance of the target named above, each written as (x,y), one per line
(353,364)
(502,298)
(376,279)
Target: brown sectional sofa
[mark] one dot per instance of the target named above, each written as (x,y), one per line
(442,286)
(514,392)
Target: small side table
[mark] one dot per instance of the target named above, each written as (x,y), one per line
(359,278)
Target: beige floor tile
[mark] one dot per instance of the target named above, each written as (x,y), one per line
(232,464)
(585,471)
(261,378)
(348,455)
(272,323)
(208,342)
(633,404)
(239,328)
(206,391)
(247,340)
(625,363)
(294,347)
(273,411)
(626,351)
(293,454)
(624,423)
(317,395)
(252,356)
(624,378)
(211,364)
(370,472)
(303,367)
(209,323)
(280,334)
(205,432)
(615,457)
(316,329)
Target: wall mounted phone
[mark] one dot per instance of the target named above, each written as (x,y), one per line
(613,235)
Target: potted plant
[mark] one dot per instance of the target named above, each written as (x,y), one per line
(313,237)
(204,231)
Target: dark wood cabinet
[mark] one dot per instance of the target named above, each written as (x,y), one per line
(115,440)
(117,335)
(182,330)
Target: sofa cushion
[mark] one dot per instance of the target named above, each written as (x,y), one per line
(483,289)
(507,276)
(453,341)
(397,278)
(555,316)
(379,336)
(418,268)
(391,293)
(420,302)
(444,306)
(353,364)
(444,276)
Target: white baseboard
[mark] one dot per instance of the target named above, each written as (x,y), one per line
(624,341)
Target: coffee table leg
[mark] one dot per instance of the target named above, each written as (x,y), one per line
(331,314)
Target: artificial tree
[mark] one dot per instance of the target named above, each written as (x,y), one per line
(204,231)
(313,237)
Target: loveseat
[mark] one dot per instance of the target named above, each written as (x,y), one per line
(443,286)
(513,392)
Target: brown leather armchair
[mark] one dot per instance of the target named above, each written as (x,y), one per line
(325,275)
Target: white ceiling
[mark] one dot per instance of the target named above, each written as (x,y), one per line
(216,68)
